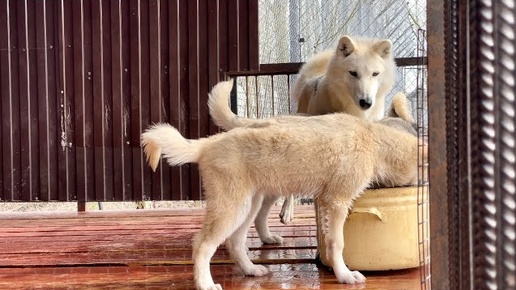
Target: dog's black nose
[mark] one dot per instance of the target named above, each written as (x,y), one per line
(364,104)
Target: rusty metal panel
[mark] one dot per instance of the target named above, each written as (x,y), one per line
(493,140)
(476,237)
(81,79)
(438,194)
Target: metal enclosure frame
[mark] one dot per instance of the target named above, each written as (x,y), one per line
(472,121)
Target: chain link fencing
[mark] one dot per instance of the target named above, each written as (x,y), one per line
(294,30)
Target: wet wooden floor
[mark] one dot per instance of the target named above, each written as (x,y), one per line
(151,249)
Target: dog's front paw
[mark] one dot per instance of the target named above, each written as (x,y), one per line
(350,277)
(209,287)
(257,270)
(272,239)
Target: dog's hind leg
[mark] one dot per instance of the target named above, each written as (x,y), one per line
(287,210)
(236,242)
(261,222)
(333,214)
(226,211)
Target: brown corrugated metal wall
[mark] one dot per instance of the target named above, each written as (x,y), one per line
(81,79)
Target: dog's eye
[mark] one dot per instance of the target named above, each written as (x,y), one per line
(353,73)
(375,74)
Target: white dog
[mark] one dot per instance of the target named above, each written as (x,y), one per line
(333,157)
(354,78)
(399,117)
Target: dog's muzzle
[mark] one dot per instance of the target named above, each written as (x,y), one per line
(365,104)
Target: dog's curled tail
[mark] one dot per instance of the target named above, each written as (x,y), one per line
(220,112)
(218,103)
(163,138)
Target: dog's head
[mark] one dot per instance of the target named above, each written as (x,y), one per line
(399,116)
(365,68)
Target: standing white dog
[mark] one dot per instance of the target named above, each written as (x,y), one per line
(398,116)
(333,157)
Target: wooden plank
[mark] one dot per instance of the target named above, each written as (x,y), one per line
(302,211)
(150,257)
(163,240)
(281,276)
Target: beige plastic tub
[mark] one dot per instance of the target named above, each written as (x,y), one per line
(381,233)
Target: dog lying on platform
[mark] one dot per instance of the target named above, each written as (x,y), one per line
(332,157)
(398,116)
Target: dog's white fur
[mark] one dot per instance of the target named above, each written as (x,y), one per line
(334,157)
(399,117)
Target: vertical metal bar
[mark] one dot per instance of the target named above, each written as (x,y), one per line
(492,140)
(203,73)
(81,206)
(7,106)
(178,83)
(122,183)
(157,114)
(233,8)
(164,69)
(505,29)
(214,51)
(258,97)
(145,92)
(99,100)
(139,94)
(247,96)
(422,192)
(242,16)
(65,89)
(253,35)
(87,99)
(78,75)
(437,145)
(272,95)
(43,102)
(485,181)
(26,88)
(193,90)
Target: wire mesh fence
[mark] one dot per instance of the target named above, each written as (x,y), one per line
(422,196)
(292,31)
(269,95)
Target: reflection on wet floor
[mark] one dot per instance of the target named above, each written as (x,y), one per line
(151,249)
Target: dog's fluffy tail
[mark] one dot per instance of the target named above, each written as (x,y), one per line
(400,108)
(220,112)
(218,103)
(163,138)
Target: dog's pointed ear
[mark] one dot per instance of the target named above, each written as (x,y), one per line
(400,108)
(383,48)
(346,46)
